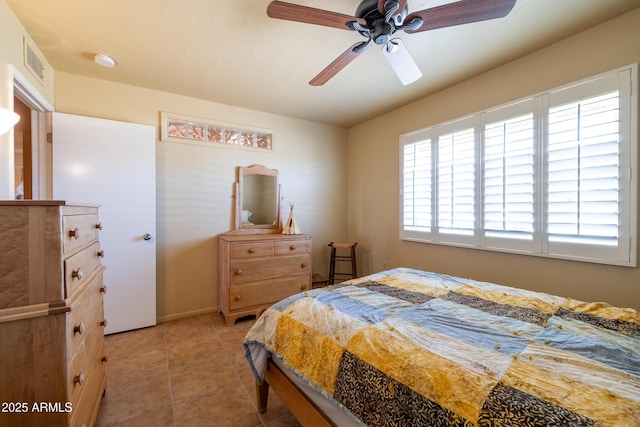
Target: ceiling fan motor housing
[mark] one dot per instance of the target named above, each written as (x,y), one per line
(380,29)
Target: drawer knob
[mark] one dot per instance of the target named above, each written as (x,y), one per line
(79,379)
(104,323)
(99,226)
(303,265)
(104,359)
(103,289)
(237,298)
(78,329)
(252,251)
(238,272)
(77,274)
(101,253)
(292,248)
(75,233)
(303,287)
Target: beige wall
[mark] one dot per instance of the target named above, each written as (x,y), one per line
(374,183)
(194,183)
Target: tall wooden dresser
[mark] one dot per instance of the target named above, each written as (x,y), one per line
(257,270)
(52,350)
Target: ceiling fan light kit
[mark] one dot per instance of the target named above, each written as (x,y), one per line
(401,61)
(378,20)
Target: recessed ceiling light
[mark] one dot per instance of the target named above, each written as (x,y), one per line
(105,60)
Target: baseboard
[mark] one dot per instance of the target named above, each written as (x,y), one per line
(182,315)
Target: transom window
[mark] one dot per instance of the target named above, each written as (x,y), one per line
(550,175)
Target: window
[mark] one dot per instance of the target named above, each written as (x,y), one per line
(550,175)
(200,131)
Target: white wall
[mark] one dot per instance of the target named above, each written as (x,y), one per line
(195,183)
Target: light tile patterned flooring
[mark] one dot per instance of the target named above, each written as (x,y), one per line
(188,372)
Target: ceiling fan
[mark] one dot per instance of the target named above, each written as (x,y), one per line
(378,20)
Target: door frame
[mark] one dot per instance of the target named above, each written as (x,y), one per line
(42,164)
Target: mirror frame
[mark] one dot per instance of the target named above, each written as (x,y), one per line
(276,226)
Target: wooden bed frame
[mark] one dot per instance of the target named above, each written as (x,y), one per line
(305,411)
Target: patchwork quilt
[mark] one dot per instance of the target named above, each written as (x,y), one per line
(411,348)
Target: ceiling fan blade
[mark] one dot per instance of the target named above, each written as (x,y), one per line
(381,3)
(310,15)
(460,12)
(338,64)
(401,61)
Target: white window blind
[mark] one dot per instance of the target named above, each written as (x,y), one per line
(456,182)
(551,175)
(509,178)
(583,177)
(417,186)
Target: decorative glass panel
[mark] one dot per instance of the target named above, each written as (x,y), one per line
(215,134)
(232,136)
(196,131)
(185,129)
(177,128)
(263,140)
(247,139)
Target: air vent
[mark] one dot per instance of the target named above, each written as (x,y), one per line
(32,62)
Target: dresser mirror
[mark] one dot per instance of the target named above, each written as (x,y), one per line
(257,199)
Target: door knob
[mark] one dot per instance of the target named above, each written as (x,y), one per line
(147,236)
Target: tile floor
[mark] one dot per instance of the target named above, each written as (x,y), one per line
(188,372)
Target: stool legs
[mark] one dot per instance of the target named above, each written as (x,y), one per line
(332,266)
(348,258)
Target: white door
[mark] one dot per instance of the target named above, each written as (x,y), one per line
(112,164)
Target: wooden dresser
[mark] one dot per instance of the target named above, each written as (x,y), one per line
(257,270)
(52,350)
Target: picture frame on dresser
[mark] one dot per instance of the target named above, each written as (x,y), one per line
(258,265)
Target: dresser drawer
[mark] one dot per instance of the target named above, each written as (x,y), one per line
(85,318)
(251,250)
(78,231)
(293,247)
(267,292)
(79,373)
(85,409)
(249,270)
(78,267)
(86,376)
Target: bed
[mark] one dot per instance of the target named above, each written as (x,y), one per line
(412,348)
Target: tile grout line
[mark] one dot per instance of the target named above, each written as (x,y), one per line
(166,356)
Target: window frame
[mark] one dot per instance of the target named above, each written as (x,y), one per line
(539,244)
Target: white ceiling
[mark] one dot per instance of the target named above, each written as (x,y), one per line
(232,53)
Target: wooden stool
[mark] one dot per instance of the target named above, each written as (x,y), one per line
(347,258)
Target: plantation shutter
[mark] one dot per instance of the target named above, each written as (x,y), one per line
(508,172)
(456,189)
(552,175)
(416,186)
(583,170)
